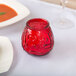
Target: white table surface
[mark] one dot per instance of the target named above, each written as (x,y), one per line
(61,61)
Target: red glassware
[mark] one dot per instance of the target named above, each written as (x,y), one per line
(37,38)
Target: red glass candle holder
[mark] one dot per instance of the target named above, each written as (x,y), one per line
(37,38)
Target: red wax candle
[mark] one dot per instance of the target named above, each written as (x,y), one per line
(37,38)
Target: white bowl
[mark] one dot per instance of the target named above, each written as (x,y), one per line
(21,10)
(6,54)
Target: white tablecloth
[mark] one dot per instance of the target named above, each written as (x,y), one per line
(61,61)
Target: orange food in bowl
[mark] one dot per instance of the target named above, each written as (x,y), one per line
(6,12)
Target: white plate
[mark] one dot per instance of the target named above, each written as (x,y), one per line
(6,54)
(61,61)
(19,8)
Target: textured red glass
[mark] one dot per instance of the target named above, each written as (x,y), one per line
(37,38)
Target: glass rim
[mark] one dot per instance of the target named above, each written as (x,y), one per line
(34,19)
